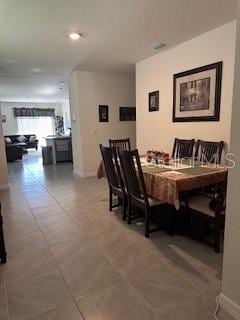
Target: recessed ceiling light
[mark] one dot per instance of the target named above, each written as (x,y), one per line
(157,45)
(74,35)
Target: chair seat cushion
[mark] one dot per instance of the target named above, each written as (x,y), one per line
(154,202)
(201,203)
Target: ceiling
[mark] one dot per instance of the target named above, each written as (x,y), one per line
(116,34)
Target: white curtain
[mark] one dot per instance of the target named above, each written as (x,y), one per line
(40,126)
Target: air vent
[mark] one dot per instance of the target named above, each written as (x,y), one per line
(157,45)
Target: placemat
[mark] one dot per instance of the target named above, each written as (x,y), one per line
(154,169)
(197,170)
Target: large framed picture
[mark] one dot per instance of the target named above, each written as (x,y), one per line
(103,113)
(197,94)
(153,101)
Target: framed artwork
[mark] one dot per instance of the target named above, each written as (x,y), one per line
(153,101)
(197,94)
(4,118)
(127,113)
(103,113)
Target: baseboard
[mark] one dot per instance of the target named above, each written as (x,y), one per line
(4,186)
(230,306)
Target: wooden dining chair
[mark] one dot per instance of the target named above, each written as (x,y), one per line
(183,148)
(136,189)
(3,254)
(121,144)
(114,177)
(203,209)
(209,151)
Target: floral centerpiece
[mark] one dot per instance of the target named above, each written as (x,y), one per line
(158,156)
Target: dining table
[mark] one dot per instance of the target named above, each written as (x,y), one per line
(166,182)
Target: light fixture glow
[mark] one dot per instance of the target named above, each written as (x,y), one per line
(74,35)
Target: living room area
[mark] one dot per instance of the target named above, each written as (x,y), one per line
(28,126)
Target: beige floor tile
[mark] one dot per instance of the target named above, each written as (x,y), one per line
(17,231)
(17,217)
(24,244)
(197,307)
(159,285)
(67,311)
(116,302)
(41,202)
(84,268)
(222,315)
(61,234)
(29,265)
(47,211)
(56,220)
(37,295)
(3,300)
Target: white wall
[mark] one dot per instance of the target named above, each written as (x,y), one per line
(66,116)
(156,129)
(87,91)
(10,126)
(3,161)
(230,298)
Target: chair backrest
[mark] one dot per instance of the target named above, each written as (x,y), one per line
(183,148)
(121,144)
(133,175)
(112,167)
(209,151)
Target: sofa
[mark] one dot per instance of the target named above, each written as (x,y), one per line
(29,142)
(13,152)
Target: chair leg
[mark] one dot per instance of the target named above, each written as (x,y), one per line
(129,211)
(110,199)
(146,223)
(216,235)
(124,208)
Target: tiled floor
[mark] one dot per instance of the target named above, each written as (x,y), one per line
(69,258)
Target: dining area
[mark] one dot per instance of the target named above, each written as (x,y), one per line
(180,192)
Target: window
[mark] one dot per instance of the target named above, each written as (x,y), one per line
(127,113)
(40,126)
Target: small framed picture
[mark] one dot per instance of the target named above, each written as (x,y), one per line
(4,118)
(153,101)
(103,113)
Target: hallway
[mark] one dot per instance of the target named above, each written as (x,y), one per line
(69,258)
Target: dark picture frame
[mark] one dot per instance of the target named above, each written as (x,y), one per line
(103,113)
(153,101)
(197,94)
(127,113)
